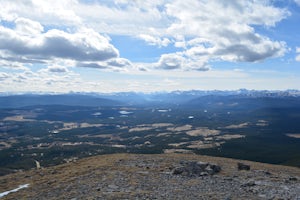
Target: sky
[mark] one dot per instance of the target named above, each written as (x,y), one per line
(148,45)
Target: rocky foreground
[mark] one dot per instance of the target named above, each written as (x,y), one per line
(164,176)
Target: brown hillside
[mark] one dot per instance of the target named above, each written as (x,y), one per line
(130,176)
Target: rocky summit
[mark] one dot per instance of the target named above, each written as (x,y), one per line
(162,176)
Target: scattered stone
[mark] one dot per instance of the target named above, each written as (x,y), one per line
(242,166)
(192,168)
(268,173)
(202,165)
(209,170)
(53,172)
(130,179)
(204,174)
(215,168)
(293,179)
(177,171)
(249,184)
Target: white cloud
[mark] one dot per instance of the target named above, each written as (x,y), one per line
(170,61)
(125,17)
(223,30)
(28,27)
(57,69)
(217,30)
(115,64)
(119,62)
(205,31)
(41,80)
(55,12)
(152,81)
(83,45)
(3,76)
(97,65)
(180,61)
(28,44)
(198,17)
(298,54)
(12,65)
(297,2)
(155,40)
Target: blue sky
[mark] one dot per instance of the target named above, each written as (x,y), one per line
(141,45)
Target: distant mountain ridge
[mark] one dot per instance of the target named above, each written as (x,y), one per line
(8,100)
(64,99)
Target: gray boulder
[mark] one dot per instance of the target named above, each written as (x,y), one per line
(192,168)
(242,166)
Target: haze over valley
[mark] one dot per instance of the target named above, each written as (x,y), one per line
(253,125)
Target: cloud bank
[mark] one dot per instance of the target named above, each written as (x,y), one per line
(52,42)
(28,43)
(204,30)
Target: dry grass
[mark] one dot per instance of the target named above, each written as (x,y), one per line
(18,118)
(203,131)
(237,126)
(106,168)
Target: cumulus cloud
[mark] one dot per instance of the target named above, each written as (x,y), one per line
(223,30)
(28,43)
(205,31)
(119,62)
(170,61)
(3,76)
(125,17)
(151,40)
(175,61)
(86,45)
(28,27)
(215,30)
(40,81)
(96,65)
(298,54)
(57,69)
(53,12)
(247,52)
(199,17)
(116,63)
(12,64)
